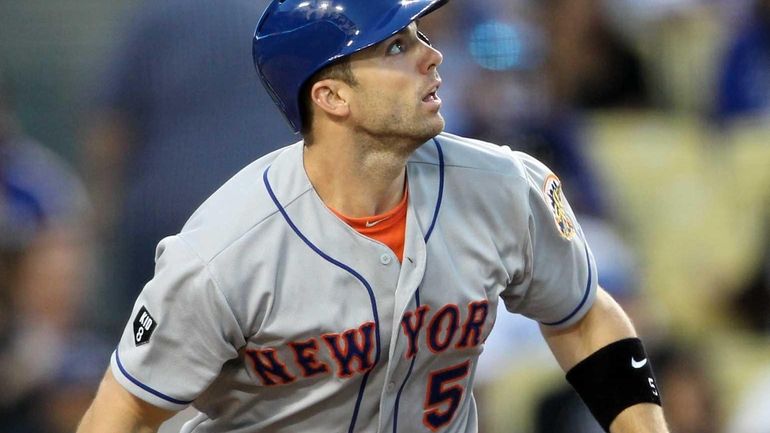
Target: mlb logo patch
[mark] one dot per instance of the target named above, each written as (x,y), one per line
(144,324)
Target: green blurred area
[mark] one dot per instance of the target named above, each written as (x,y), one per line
(51,52)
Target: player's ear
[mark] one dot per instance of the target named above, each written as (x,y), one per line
(329,95)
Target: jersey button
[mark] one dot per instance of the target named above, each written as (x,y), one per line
(385,259)
(391,386)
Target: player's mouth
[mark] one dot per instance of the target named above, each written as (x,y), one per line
(431,97)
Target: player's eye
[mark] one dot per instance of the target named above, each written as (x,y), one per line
(424,38)
(396,47)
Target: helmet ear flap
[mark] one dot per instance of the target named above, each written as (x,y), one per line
(287,60)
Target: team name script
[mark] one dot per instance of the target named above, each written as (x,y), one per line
(352,351)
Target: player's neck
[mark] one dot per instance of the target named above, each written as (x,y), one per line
(356,180)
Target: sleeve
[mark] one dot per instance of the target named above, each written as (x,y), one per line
(180,333)
(558,282)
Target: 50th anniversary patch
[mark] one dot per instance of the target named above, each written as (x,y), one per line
(555,199)
(144,324)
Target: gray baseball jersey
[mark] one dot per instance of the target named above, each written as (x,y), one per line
(270,314)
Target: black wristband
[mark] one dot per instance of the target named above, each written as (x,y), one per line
(613,378)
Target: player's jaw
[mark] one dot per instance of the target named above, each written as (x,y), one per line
(393,106)
(418,118)
(396,98)
(403,122)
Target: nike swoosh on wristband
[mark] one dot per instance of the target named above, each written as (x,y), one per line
(638,364)
(370,224)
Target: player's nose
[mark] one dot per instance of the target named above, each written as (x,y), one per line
(431,58)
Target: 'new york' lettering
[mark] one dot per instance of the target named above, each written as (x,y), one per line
(351,352)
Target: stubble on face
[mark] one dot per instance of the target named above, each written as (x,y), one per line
(388,107)
(395,119)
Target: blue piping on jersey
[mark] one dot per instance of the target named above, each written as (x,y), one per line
(350,270)
(440,189)
(145,387)
(417,292)
(585,295)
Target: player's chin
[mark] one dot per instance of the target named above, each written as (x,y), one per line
(431,127)
(425,125)
(437,122)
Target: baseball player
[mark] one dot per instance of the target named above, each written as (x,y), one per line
(347,282)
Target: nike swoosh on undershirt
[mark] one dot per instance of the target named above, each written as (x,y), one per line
(370,224)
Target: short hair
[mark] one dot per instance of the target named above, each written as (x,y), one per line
(337,70)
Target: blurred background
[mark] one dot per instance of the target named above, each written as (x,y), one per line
(118,117)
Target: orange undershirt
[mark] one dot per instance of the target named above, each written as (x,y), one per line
(388,228)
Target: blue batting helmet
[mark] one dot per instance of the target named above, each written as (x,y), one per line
(296,38)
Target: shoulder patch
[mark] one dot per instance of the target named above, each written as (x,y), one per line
(555,199)
(144,324)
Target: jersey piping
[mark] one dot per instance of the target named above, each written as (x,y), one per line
(223,234)
(350,271)
(417,291)
(582,301)
(366,283)
(145,387)
(440,189)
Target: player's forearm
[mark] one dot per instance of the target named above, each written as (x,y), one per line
(97,421)
(640,418)
(115,410)
(614,377)
(605,323)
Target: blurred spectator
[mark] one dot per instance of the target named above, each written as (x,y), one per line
(744,81)
(44,261)
(179,111)
(574,63)
(555,138)
(690,400)
(751,303)
(589,65)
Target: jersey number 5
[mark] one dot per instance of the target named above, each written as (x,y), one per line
(442,391)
